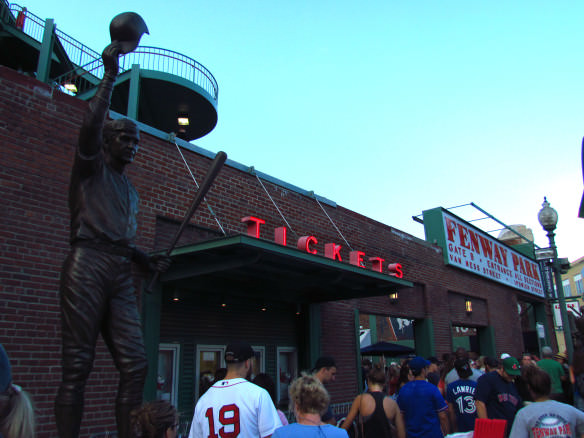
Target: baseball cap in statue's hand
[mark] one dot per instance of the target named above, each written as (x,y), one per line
(511,366)
(418,363)
(5,371)
(238,352)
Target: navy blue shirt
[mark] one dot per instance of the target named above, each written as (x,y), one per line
(460,394)
(499,396)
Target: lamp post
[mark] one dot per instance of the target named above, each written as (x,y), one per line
(548,218)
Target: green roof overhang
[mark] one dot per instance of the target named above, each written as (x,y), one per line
(246,267)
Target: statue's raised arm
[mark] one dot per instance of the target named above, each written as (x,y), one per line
(90,137)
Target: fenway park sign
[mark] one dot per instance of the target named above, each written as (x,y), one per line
(468,248)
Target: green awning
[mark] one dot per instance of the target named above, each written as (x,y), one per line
(246,267)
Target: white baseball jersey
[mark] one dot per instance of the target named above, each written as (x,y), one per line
(234,408)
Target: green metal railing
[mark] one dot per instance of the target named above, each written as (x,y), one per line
(89,66)
(88,76)
(168,61)
(34,27)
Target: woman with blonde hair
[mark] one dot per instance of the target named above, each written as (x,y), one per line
(17,419)
(378,414)
(157,419)
(309,399)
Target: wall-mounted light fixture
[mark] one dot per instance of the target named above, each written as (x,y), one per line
(298,309)
(468,306)
(175,295)
(71,87)
(183,120)
(393,297)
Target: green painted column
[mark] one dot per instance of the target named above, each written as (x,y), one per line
(44,62)
(487,341)
(424,337)
(314,330)
(358,351)
(134,93)
(373,328)
(151,303)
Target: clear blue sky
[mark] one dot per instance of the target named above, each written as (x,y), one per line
(387,107)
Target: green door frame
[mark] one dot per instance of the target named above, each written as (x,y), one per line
(424,337)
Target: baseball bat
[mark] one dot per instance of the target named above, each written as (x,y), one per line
(212,173)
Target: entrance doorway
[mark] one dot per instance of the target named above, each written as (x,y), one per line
(209,359)
(467,338)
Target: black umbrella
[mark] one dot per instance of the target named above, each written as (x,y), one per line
(386,349)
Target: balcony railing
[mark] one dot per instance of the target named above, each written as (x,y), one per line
(90,66)
(87,76)
(34,27)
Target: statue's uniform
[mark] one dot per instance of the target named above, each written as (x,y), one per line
(97,287)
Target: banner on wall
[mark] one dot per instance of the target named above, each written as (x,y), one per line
(571,306)
(469,248)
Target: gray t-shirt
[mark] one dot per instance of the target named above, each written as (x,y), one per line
(452,376)
(550,419)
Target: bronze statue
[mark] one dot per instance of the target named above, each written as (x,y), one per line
(97,289)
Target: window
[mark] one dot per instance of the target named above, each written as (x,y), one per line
(210,358)
(167,378)
(566,285)
(287,370)
(579,284)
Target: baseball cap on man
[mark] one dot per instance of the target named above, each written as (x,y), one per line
(5,371)
(418,363)
(238,351)
(511,366)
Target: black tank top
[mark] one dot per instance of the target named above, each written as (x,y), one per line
(377,424)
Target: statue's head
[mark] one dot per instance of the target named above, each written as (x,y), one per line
(120,141)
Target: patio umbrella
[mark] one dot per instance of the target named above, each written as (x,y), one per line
(386,349)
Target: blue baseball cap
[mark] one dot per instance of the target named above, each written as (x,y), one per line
(5,371)
(418,363)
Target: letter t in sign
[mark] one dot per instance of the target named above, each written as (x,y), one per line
(253,225)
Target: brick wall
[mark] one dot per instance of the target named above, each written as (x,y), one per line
(38,133)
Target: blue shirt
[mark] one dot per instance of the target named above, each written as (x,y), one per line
(420,402)
(461,395)
(300,430)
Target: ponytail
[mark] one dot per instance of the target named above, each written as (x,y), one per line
(17,418)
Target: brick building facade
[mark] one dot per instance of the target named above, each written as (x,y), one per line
(38,131)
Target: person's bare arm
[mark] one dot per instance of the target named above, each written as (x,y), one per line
(452,417)
(393,413)
(481,409)
(352,413)
(400,426)
(444,424)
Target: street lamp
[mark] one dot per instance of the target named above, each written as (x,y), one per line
(548,218)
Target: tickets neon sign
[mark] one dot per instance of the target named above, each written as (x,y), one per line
(331,250)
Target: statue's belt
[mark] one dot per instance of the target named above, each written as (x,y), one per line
(108,247)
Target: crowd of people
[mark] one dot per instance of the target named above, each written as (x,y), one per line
(413,398)
(534,397)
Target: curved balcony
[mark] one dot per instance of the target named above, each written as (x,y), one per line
(155,86)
